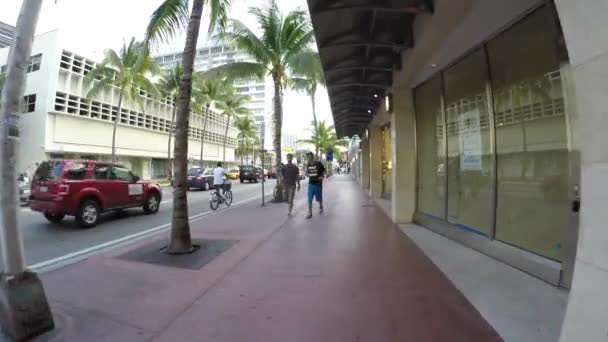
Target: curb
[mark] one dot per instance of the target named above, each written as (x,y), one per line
(83,254)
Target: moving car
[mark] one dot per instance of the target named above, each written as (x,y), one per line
(85,189)
(233,174)
(199,178)
(249,173)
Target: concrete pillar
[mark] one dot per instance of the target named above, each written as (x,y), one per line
(585,30)
(375,159)
(403,140)
(365,164)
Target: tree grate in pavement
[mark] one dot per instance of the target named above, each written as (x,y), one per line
(206,251)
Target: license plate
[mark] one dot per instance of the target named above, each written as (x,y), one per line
(189,178)
(44,189)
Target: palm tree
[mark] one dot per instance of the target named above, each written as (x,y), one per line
(309,74)
(246,133)
(232,107)
(169,86)
(16,279)
(275,52)
(170,17)
(129,72)
(324,136)
(208,92)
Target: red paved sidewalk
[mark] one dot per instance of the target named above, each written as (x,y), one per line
(348,275)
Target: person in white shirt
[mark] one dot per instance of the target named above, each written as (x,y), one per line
(218,177)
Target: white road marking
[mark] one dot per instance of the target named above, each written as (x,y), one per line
(83,254)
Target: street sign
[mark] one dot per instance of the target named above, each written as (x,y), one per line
(329,154)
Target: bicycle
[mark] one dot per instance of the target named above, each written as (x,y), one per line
(216,198)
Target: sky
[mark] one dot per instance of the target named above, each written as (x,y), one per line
(90,26)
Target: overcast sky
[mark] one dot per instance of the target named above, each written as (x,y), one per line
(90,26)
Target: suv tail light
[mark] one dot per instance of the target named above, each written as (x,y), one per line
(199,177)
(63,189)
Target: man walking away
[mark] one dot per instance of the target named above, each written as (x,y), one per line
(218,178)
(315,171)
(291,177)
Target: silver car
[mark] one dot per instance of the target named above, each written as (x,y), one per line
(25,192)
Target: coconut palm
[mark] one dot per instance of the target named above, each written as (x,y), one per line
(128,71)
(232,107)
(22,326)
(309,75)
(246,134)
(169,86)
(275,52)
(208,92)
(169,18)
(324,136)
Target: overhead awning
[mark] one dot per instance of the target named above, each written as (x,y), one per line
(360,43)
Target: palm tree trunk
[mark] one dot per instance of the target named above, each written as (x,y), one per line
(170,134)
(26,312)
(225,139)
(278,126)
(118,116)
(314,119)
(203,135)
(12,244)
(181,241)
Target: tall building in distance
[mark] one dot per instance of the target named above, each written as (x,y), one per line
(215,54)
(7,35)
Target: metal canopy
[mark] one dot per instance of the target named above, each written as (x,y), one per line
(360,43)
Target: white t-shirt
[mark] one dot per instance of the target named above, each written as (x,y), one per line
(218,176)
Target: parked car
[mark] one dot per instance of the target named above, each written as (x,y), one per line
(85,189)
(249,173)
(199,178)
(25,191)
(233,174)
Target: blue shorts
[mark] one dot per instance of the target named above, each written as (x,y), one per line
(316,191)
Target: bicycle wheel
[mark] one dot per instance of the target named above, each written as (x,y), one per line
(228,198)
(214,201)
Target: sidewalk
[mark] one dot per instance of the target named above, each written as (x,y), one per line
(349,275)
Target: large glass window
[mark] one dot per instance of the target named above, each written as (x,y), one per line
(531,139)
(470,163)
(431,149)
(387,164)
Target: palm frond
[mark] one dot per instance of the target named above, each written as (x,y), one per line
(245,39)
(238,70)
(218,14)
(170,17)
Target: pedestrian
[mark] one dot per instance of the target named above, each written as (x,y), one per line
(315,171)
(291,180)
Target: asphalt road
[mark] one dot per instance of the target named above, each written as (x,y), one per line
(44,241)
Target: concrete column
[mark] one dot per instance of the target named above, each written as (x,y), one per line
(375,159)
(403,140)
(365,164)
(585,30)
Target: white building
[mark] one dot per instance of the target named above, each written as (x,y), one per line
(58,121)
(215,54)
(7,34)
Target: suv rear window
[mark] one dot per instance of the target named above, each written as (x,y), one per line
(194,172)
(48,171)
(77,171)
(247,168)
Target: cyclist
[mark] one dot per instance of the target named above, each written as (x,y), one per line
(218,178)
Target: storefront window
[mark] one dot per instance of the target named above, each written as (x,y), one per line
(531,139)
(470,163)
(431,149)
(386,162)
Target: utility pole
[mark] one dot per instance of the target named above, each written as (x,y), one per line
(24,309)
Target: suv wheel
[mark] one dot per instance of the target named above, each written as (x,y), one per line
(88,214)
(54,218)
(241,179)
(152,204)
(206,188)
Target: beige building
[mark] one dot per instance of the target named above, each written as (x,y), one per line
(484,121)
(59,121)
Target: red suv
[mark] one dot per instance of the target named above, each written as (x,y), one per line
(85,189)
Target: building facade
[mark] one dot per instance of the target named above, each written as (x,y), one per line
(492,131)
(7,35)
(59,121)
(215,54)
